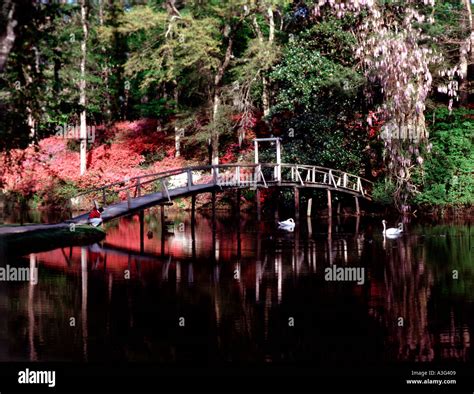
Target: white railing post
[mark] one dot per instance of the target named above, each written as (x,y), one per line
(237,176)
(258,171)
(298,175)
(165,189)
(190,179)
(129,200)
(214,174)
(331,176)
(278,167)
(359,186)
(262,175)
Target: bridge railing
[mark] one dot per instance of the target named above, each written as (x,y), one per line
(189,177)
(228,175)
(307,175)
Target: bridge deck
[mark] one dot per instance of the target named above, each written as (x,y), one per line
(139,203)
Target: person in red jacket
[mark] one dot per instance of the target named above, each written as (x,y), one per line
(95,216)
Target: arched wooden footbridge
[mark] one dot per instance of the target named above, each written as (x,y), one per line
(137,193)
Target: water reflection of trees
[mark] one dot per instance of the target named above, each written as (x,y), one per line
(408,284)
(417,276)
(246,318)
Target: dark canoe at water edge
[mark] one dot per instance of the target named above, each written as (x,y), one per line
(22,240)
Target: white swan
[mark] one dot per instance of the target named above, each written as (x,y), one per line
(288,224)
(392,231)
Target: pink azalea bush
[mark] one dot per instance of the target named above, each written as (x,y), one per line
(123,151)
(37,169)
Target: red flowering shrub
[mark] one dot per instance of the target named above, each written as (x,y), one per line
(238,153)
(124,150)
(116,153)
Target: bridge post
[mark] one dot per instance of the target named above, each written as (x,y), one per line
(310,205)
(238,202)
(278,158)
(297,202)
(214,227)
(141,217)
(103,197)
(163,231)
(213,207)
(277,198)
(357,205)
(329,203)
(193,231)
(193,207)
(257,200)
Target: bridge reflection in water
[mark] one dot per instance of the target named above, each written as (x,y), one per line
(237,290)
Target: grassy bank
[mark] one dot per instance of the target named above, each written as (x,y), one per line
(47,239)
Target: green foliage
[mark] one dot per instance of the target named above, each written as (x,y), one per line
(164,51)
(60,195)
(320,138)
(258,59)
(152,157)
(449,27)
(331,39)
(448,178)
(154,108)
(305,78)
(322,97)
(383,192)
(66,190)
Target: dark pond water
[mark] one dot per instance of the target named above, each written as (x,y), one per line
(244,291)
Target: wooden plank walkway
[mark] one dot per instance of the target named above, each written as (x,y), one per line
(139,203)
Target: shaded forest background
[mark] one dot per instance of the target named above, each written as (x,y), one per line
(92,92)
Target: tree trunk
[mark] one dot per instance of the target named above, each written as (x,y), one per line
(101,12)
(8,39)
(216,101)
(265,96)
(265,83)
(172,14)
(466,56)
(214,131)
(177,131)
(30,119)
(266,87)
(271,38)
(271,22)
(82,89)
(105,71)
